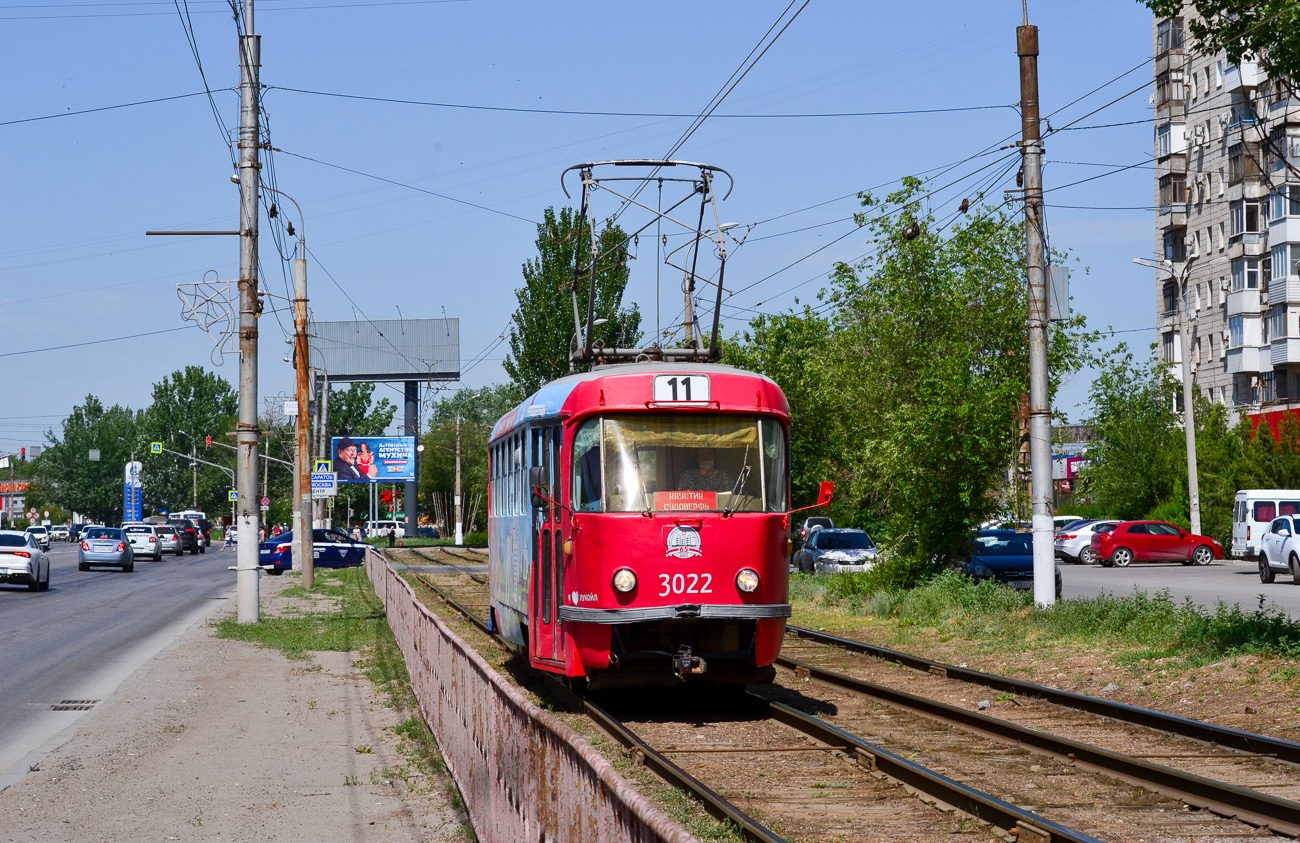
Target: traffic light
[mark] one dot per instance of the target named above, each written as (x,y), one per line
(24,457)
(209,442)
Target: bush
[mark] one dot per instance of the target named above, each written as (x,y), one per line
(477,539)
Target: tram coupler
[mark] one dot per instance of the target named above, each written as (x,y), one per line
(686,662)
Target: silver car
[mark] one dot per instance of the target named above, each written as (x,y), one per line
(22,562)
(168,540)
(144,540)
(105,546)
(1074,544)
(836,550)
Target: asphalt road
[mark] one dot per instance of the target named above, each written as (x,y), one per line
(1231,581)
(86,635)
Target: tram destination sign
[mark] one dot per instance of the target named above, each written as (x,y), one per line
(682,390)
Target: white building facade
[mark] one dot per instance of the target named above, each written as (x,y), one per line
(1227,185)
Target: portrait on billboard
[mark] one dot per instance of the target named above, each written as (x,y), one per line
(381,459)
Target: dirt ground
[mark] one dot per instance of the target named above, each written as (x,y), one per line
(221,740)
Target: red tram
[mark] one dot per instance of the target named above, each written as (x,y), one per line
(639,524)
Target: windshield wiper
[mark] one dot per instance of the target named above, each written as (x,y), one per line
(740,482)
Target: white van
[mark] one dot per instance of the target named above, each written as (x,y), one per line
(379,529)
(1252,513)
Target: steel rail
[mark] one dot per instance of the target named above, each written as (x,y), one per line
(1240,803)
(1199,730)
(709,799)
(1027,825)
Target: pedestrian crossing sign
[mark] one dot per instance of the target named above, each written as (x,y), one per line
(322,467)
(155,447)
(232,495)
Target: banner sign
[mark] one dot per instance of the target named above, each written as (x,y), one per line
(686,501)
(380,459)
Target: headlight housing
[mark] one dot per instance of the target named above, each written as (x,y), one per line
(982,572)
(747,580)
(624,580)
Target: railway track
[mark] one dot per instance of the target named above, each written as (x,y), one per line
(804,733)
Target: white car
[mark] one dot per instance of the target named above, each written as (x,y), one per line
(22,562)
(1279,549)
(144,540)
(1075,544)
(41,534)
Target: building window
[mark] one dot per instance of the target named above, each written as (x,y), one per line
(1284,202)
(1170,296)
(1278,320)
(1218,73)
(1245,274)
(1285,260)
(1163,135)
(1173,189)
(1169,86)
(1236,163)
(1169,346)
(1236,331)
(1245,218)
(1169,35)
(1175,247)
(1243,111)
(1266,385)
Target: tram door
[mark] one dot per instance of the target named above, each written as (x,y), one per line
(548,576)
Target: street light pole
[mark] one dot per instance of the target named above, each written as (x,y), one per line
(1189,414)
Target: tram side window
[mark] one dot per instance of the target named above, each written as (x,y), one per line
(586,467)
(774,465)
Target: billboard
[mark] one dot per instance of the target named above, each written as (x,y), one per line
(380,459)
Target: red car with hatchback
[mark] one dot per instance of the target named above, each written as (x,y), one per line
(1153,541)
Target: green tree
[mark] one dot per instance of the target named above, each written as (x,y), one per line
(188,405)
(478,410)
(1245,29)
(70,478)
(541,330)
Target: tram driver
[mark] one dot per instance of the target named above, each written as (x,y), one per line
(706,476)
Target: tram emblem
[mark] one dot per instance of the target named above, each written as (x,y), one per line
(683,543)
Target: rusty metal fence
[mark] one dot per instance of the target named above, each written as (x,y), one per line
(525,776)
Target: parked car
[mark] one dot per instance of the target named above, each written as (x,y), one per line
(41,534)
(143,539)
(1153,541)
(1006,556)
(1279,549)
(379,529)
(809,525)
(1074,543)
(1253,511)
(427,532)
(105,546)
(189,533)
(60,533)
(22,562)
(330,549)
(835,550)
(205,530)
(1062,521)
(168,539)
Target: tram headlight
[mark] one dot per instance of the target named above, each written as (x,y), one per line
(624,580)
(747,580)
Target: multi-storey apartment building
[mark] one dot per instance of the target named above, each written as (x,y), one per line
(1227,147)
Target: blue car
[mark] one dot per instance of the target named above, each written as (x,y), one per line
(330,549)
(1006,556)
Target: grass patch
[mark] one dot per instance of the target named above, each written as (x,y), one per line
(1144,627)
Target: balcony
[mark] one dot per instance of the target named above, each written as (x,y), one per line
(1285,350)
(1243,303)
(1248,359)
(1166,321)
(1285,290)
(1241,76)
(1249,245)
(1172,216)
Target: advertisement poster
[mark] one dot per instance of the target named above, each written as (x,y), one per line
(366,459)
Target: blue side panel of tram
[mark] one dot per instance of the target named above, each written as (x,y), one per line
(510,529)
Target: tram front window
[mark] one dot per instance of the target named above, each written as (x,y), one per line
(692,462)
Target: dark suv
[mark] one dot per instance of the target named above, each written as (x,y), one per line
(205,530)
(190,535)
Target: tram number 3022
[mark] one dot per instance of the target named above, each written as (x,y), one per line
(686,584)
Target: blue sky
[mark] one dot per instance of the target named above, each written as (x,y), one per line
(82,189)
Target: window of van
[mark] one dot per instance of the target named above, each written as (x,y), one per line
(1265,510)
(1288,507)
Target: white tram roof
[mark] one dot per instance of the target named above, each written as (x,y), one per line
(548,401)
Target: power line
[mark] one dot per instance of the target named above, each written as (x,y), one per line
(652,114)
(96,342)
(109,107)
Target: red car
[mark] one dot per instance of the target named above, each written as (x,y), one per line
(1153,541)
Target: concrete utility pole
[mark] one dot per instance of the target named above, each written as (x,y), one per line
(1040,409)
(247,572)
(194,467)
(1189,388)
(302,500)
(460,533)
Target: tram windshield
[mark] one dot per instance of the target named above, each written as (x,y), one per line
(680,462)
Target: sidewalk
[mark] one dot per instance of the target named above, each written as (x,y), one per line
(220,740)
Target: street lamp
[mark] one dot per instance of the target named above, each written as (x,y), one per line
(1189,417)
(573,342)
